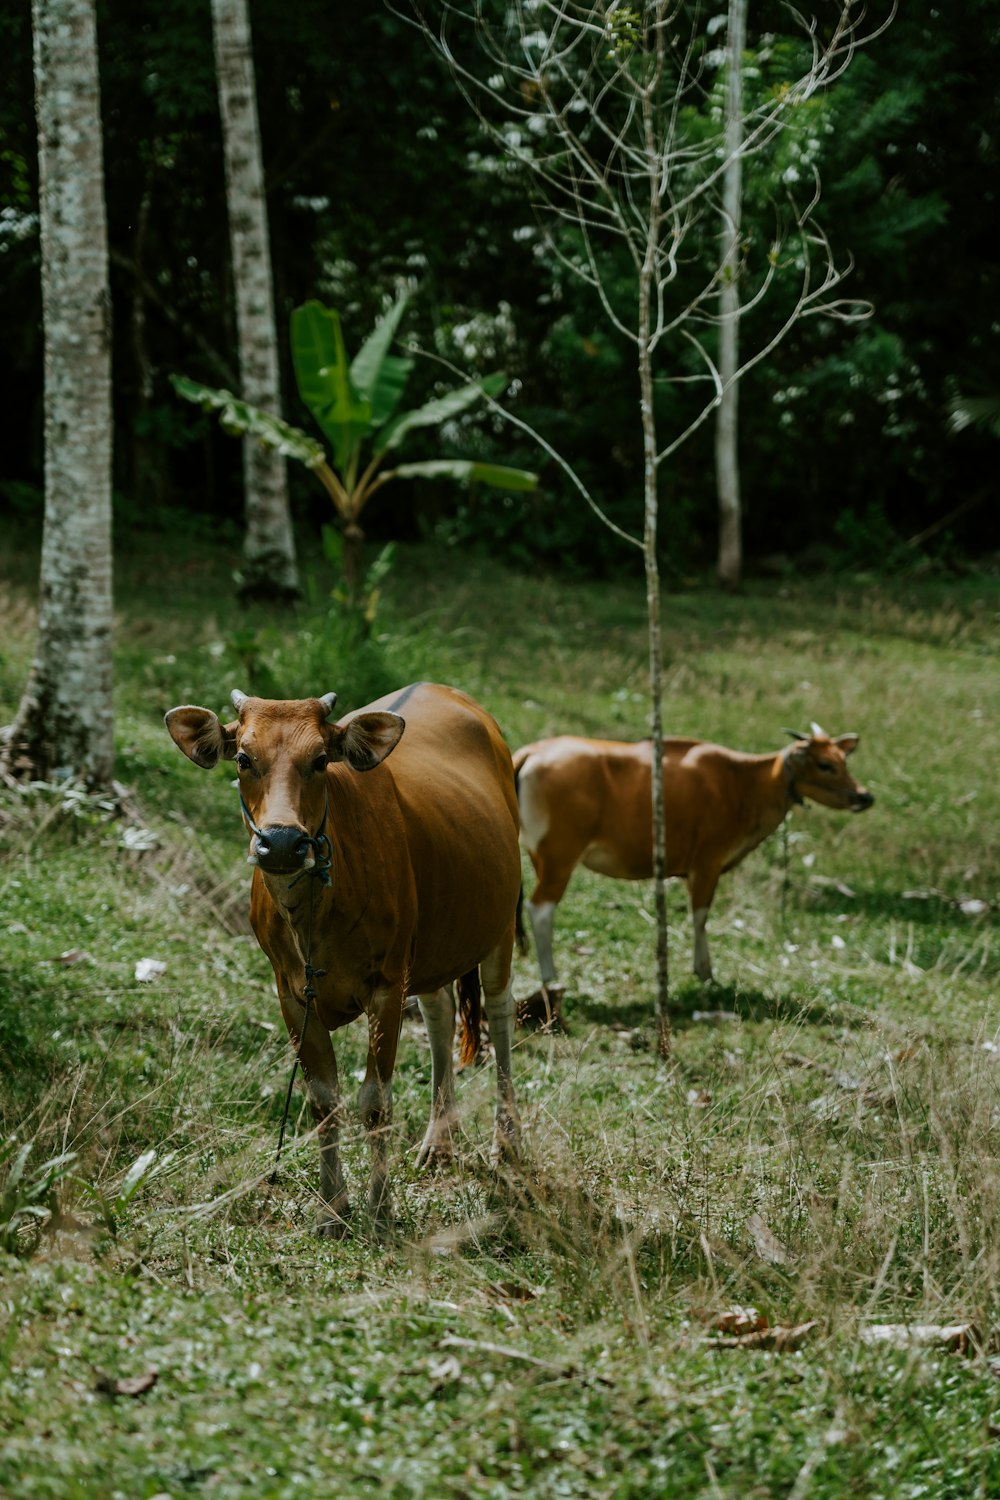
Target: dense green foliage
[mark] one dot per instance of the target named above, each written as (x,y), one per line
(378,174)
(822,1146)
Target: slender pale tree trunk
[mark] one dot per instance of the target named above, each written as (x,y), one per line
(727,467)
(64,725)
(269,549)
(651,504)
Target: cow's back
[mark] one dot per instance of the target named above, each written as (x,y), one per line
(591,802)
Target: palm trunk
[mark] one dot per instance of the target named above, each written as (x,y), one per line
(730,562)
(64,726)
(269,549)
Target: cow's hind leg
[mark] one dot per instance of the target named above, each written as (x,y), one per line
(438,1010)
(550,887)
(319,1069)
(498,1000)
(385,1014)
(701,889)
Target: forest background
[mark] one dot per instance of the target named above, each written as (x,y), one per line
(379,177)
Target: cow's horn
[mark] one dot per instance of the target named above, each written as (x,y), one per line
(796,735)
(817,732)
(238,699)
(328,701)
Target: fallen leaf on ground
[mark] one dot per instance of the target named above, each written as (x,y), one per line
(442,1372)
(515,1291)
(73,956)
(149,968)
(766,1242)
(135,1385)
(956,1338)
(734,1320)
(780,1339)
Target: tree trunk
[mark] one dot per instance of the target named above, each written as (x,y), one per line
(650,469)
(269,549)
(727,469)
(651,495)
(64,726)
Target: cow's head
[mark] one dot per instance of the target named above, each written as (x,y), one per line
(817,769)
(282,749)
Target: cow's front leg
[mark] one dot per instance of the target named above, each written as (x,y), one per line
(498,1000)
(319,1069)
(385,1014)
(438,1011)
(701,889)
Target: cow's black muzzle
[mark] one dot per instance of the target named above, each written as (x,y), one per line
(282,850)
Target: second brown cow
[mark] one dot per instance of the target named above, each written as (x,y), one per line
(589,802)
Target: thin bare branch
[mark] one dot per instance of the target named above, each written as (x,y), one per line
(536,437)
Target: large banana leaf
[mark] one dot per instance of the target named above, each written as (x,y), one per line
(468,470)
(378,376)
(975,411)
(325,385)
(438,410)
(240,418)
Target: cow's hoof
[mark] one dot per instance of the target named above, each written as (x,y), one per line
(436,1150)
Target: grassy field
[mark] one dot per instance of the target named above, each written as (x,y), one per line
(821,1151)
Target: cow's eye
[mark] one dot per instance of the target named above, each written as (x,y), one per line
(827,766)
(243,761)
(319,764)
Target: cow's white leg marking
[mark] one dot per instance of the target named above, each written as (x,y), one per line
(375,1097)
(702,962)
(498,1001)
(319,1069)
(542,919)
(438,1011)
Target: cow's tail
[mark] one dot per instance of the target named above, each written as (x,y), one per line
(470,1010)
(519,932)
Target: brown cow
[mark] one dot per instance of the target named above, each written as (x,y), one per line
(590,802)
(407,876)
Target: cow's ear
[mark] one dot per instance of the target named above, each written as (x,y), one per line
(199,733)
(365,741)
(847,742)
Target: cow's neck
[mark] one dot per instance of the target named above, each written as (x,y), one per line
(785,774)
(338,897)
(297,900)
(776,795)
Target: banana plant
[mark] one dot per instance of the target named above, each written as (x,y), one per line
(355,403)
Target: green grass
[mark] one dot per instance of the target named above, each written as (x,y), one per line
(543,1334)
